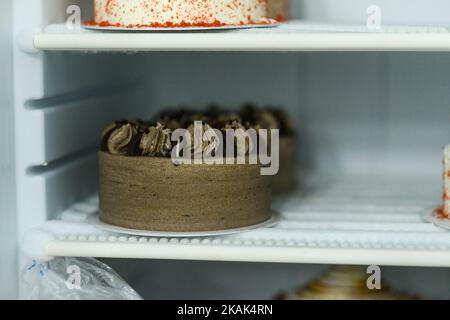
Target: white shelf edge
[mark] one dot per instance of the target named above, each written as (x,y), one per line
(420,42)
(394,257)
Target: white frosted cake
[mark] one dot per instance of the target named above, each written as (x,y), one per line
(446,196)
(179,13)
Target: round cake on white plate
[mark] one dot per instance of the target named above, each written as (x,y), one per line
(179,13)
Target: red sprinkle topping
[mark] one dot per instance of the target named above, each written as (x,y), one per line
(182,24)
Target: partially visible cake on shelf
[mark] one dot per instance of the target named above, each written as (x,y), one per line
(343,283)
(179,13)
(445,211)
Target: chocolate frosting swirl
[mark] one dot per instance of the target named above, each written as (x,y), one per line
(153,139)
(156,142)
(120,138)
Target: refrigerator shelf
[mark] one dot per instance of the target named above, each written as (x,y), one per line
(292,36)
(356,221)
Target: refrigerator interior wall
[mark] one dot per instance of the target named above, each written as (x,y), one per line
(356,112)
(394,12)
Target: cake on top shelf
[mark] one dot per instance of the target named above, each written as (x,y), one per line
(179,13)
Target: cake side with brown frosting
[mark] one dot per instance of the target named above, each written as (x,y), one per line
(153,194)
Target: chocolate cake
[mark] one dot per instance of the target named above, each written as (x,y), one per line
(141,187)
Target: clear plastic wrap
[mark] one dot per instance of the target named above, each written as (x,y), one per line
(74,279)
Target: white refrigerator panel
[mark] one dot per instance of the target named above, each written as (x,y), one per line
(8,218)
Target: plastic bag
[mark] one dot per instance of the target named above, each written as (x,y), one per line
(74,279)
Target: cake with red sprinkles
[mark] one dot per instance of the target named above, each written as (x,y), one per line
(179,13)
(445,211)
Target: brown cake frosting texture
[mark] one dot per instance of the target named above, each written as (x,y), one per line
(137,138)
(153,194)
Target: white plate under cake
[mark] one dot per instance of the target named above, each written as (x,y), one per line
(178,13)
